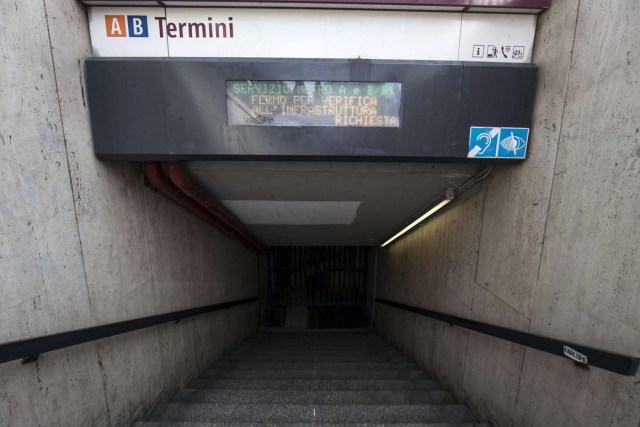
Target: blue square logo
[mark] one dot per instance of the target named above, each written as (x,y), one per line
(137,25)
(483,142)
(513,143)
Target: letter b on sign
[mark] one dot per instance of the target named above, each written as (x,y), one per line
(137,26)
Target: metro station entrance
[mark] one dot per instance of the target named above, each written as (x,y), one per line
(313,212)
(312,152)
(317,287)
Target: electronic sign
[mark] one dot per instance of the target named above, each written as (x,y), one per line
(313,103)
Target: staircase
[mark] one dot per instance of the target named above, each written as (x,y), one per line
(313,378)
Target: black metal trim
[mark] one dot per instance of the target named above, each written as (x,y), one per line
(614,362)
(31,348)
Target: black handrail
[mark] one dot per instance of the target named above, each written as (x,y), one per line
(582,355)
(30,349)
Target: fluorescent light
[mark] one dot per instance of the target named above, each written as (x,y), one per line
(449,196)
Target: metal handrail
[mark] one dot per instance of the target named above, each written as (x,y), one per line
(582,355)
(29,349)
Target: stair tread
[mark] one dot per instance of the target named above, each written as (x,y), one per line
(208,424)
(328,346)
(314,374)
(304,379)
(314,354)
(273,366)
(316,358)
(314,384)
(331,397)
(315,413)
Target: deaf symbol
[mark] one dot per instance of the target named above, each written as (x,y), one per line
(485,138)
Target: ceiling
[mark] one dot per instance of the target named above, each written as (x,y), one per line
(326,204)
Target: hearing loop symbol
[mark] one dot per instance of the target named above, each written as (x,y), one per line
(484,139)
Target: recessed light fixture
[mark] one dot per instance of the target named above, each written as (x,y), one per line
(449,196)
(293,212)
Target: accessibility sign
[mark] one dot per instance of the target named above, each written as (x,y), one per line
(498,143)
(513,143)
(483,142)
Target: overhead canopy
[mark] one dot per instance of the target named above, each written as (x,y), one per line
(510,6)
(326,204)
(308,189)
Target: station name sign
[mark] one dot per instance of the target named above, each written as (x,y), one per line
(223,32)
(313,103)
(138,26)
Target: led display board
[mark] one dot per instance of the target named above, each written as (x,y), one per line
(313,103)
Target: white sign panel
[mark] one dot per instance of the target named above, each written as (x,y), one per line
(294,33)
(303,33)
(127,31)
(497,38)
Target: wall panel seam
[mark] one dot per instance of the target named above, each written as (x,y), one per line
(555,163)
(66,152)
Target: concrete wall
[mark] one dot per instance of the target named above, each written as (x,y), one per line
(84,242)
(551,246)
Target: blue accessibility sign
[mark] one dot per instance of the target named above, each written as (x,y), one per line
(513,143)
(483,142)
(498,143)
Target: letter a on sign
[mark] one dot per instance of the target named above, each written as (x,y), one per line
(116,25)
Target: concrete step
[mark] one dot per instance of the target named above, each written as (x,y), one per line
(314,384)
(302,365)
(260,413)
(304,336)
(316,343)
(353,343)
(311,351)
(293,374)
(313,379)
(302,349)
(299,341)
(329,345)
(205,424)
(317,358)
(361,349)
(333,397)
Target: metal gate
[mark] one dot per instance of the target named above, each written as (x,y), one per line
(330,281)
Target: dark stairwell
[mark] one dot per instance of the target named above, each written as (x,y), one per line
(305,378)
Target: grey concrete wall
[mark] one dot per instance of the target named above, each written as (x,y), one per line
(551,246)
(84,242)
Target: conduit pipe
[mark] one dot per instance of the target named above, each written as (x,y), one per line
(181,179)
(155,176)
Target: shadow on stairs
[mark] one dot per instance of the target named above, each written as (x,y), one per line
(305,378)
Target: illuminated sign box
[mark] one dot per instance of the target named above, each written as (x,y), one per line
(313,103)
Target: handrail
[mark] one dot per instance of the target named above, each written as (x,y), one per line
(29,349)
(580,354)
